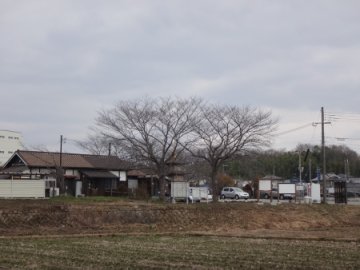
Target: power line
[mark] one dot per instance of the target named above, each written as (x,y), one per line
(344,138)
(294,129)
(343,116)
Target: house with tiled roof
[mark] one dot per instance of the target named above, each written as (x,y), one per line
(82,173)
(143,182)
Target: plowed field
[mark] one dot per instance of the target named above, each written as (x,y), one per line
(125,234)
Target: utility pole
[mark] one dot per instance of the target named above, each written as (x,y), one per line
(305,158)
(310,170)
(61,171)
(323,150)
(347,169)
(61,143)
(300,169)
(111,188)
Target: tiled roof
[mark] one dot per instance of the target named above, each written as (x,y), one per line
(78,161)
(137,173)
(99,174)
(141,173)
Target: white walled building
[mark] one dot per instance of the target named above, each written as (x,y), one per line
(10,141)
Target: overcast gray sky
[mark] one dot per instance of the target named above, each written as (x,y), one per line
(62,61)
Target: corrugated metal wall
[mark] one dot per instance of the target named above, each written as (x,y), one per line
(22,188)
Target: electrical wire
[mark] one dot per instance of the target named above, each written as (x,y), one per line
(294,129)
(342,116)
(343,113)
(344,138)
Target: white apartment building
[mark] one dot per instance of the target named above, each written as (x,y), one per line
(10,141)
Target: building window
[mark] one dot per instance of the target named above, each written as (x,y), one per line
(10,152)
(2,137)
(16,138)
(10,137)
(2,152)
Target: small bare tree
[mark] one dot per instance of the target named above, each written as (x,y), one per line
(95,144)
(151,131)
(98,144)
(225,131)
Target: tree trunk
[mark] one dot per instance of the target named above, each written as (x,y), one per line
(214,185)
(162,187)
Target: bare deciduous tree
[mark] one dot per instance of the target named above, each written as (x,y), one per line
(225,131)
(151,131)
(95,144)
(98,144)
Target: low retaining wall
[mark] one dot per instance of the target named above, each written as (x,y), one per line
(68,219)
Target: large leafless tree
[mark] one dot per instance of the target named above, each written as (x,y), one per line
(151,131)
(225,131)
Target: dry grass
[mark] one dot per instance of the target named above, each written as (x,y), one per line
(176,252)
(201,236)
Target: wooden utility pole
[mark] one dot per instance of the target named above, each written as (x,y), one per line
(323,152)
(61,172)
(61,143)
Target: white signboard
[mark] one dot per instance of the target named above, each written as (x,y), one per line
(315,193)
(265,185)
(286,188)
(199,193)
(179,189)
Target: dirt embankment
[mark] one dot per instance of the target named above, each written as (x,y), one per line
(244,219)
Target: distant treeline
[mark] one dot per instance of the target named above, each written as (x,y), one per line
(339,160)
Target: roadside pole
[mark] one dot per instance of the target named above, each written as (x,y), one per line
(323,150)
(323,153)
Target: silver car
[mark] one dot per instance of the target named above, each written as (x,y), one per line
(233,193)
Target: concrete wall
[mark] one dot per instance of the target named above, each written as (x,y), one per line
(22,188)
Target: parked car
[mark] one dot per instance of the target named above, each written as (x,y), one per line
(275,194)
(233,193)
